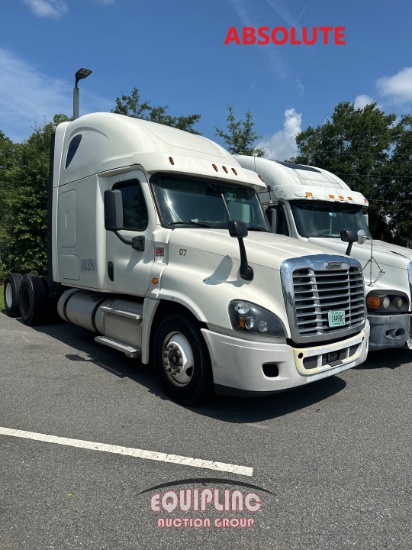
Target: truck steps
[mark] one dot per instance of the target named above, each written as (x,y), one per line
(128,314)
(130,351)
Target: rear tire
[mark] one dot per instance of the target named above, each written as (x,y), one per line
(53,293)
(182,361)
(12,294)
(33,300)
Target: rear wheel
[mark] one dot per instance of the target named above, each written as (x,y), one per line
(182,360)
(11,294)
(53,293)
(33,300)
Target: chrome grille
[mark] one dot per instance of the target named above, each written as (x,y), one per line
(324,296)
(318,292)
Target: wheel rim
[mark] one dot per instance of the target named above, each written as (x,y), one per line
(8,295)
(177,359)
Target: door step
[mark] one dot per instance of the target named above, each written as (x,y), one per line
(128,314)
(130,351)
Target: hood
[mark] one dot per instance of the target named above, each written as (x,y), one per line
(264,249)
(393,249)
(387,255)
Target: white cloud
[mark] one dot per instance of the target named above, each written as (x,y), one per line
(47,8)
(55,8)
(27,95)
(282,145)
(362,100)
(398,88)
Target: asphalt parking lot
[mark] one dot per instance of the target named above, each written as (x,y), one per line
(93,455)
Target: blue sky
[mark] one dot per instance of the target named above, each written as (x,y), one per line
(173,51)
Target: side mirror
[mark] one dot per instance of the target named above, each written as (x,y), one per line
(272,215)
(239,230)
(351,236)
(113,210)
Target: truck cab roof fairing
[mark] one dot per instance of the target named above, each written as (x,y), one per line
(110,141)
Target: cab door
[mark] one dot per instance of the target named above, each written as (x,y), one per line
(129,249)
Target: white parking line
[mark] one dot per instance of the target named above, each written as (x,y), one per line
(129,451)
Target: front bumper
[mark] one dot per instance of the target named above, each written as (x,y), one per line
(239,365)
(389,331)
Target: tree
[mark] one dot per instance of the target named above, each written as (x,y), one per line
(240,136)
(130,105)
(7,155)
(356,145)
(399,179)
(24,221)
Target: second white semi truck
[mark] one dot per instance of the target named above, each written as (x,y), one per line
(314,206)
(158,243)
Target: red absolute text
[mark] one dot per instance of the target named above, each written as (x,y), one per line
(281,35)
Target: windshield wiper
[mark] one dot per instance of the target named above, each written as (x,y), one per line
(199,224)
(257,228)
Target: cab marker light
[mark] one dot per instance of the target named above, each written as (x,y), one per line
(171,160)
(215,167)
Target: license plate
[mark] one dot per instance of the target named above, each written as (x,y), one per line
(336,318)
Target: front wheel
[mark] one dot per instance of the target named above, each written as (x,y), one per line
(182,361)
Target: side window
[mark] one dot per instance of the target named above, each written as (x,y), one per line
(135,214)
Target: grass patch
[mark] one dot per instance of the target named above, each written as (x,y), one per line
(1,297)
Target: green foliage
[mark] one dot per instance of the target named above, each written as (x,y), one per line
(364,148)
(23,222)
(130,105)
(240,135)
(398,192)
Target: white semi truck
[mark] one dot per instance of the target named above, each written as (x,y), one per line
(158,243)
(314,206)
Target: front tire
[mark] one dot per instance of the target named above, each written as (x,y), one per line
(12,293)
(182,361)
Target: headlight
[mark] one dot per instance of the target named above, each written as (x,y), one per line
(382,301)
(248,317)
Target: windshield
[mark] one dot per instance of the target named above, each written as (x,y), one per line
(204,203)
(325,219)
